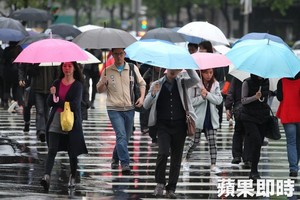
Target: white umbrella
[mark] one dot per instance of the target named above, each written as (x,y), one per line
(91,60)
(204,30)
(88,27)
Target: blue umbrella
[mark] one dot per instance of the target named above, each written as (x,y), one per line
(161,53)
(260,36)
(264,58)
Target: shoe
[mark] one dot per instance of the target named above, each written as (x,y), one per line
(12,107)
(254,176)
(71,183)
(215,169)
(159,190)
(247,165)
(92,105)
(153,144)
(45,182)
(293,174)
(170,194)
(145,131)
(230,122)
(41,136)
(265,142)
(114,164)
(26,127)
(236,160)
(125,169)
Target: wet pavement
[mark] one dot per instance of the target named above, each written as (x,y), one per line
(22,164)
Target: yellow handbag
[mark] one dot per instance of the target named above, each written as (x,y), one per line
(67,118)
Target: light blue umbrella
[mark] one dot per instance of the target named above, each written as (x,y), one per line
(264,58)
(161,53)
(260,36)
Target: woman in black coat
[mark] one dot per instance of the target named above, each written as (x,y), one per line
(69,88)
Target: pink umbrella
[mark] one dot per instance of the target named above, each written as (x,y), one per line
(210,60)
(51,50)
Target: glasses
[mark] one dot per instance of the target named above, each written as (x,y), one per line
(119,54)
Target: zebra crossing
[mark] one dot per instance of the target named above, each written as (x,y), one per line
(22,166)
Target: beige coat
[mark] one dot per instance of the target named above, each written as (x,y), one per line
(118,87)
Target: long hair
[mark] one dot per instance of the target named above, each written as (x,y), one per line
(77,72)
(210,82)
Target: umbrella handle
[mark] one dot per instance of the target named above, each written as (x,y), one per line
(55,98)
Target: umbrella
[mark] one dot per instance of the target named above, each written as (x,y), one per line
(161,53)
(104,38)
(31,14)
(88,27)
(260,36)
(210,60)
(204,30)
(51,50)
(242,75)
(264,58)
(91,60)
(164,34)
(66,31)
(33,38)
(11,30)
(189,38)
(223,49)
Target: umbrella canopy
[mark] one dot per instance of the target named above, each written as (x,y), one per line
(264,58)
(88,27)
(51,50)
(66,31)
(31,14)
(164,34)
(11,30)
(33,38)
(161,53)
(204,30)
(260,36)
(91,60)
(210,60)
(104,38)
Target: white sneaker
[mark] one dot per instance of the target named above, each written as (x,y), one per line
(12,106)
(215,170)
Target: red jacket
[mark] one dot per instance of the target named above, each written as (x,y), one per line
(289,108)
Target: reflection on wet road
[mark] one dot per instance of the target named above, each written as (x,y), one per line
(22,164)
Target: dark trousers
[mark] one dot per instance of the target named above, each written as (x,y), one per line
(95,78)
(240,146)
(153,133)
(171,138)
(54,140)
(144,117)
(255,137)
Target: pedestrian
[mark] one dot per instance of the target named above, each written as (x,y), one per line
(233,105)
(165,98)
(288,93)
(192,47)
(205,96)
(25,74)
(41,80)
(69,88)
(116,81)
(255,115)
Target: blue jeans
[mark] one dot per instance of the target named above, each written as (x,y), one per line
(122,122)
(292,132)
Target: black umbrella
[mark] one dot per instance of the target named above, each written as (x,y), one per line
(164,34)
(33,38)
(66,31)
(11,30)
(31,14)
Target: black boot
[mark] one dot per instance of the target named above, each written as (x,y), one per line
(45,182)
(26,127)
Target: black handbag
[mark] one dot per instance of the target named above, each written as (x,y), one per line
(273,127)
